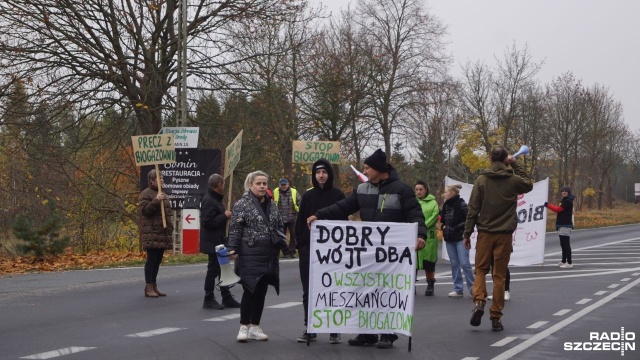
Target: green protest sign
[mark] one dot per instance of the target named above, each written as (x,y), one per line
(308,152)
(153,149)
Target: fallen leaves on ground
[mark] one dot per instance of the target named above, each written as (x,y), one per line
(67,261)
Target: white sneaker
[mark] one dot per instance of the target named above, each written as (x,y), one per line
(255,333)
(560,264)
(566,266)
(455,294)
(507,296)
(243,334)
(490,297)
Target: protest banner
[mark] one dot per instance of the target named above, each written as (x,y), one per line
(308,152)
(362,277)
(154,150)
(530,234)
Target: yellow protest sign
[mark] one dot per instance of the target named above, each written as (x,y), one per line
(153,149)
(308,152)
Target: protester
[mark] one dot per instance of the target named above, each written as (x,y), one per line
(453,216)
(287,200)
(384,198)
(255,236)
(213,225)
(492,209)
(156,238)
(564,224)
(321,195)
(428,256)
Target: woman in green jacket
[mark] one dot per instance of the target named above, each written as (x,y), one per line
(428,256)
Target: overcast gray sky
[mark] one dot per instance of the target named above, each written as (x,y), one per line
(597,40)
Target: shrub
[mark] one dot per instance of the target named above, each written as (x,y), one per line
(41,240)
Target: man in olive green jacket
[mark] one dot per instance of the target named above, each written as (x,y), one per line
(492,209)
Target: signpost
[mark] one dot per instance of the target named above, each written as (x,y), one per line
(190,231)
(183,137)
(154,150)
(232,158)
(308,152)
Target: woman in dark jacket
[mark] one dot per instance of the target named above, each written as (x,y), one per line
(255,235)
(453,216)
(156,238)
(564,224)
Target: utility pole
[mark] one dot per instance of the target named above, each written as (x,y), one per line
(181,105)
(181,110)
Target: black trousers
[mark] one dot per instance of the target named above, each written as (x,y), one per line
(151,267)
(213,272)
(252,303)
(566,248)
(303,263)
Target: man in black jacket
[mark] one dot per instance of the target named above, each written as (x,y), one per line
(321,195)
(213,223)
(384,198)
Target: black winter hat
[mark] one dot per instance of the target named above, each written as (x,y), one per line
(378,161)
(566,188)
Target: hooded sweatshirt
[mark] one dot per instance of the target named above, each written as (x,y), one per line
(314,199)
(493,201)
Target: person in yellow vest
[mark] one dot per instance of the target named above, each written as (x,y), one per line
(288,199)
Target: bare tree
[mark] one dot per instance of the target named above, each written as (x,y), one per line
(102,54)
(407,43)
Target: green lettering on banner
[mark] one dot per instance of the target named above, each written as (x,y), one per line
(153,149)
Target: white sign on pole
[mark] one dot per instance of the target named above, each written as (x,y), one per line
(191,219)
(232,154)
(361,278)
(183,137)
(530,234)
(637,189)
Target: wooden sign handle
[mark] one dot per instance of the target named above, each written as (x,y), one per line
(159,181)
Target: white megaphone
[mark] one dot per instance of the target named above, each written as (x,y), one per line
(524,150)
(227,276)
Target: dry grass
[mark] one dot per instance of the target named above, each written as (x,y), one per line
(587,219)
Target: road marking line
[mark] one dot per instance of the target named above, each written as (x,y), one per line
(231,316)
(625,279)
(560,325)
(613,286)
(601,293)
(537,325)
(562,312)
(285,305)
(60,352)
(596,246)
(215,319)
(470,358)
(155,332)
(635,274)
(583,301)
(505,341)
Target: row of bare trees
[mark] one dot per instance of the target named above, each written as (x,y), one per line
(77,79)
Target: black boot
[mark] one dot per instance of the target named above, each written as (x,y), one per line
(227,299)
(211,303)
(430,288)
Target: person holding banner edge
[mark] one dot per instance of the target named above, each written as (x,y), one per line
(255,235)
(428,256)
(154,236)
(321,195)
(564,224)
(492,209)
(384,198)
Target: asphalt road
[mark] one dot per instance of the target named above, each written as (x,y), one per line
(102,314)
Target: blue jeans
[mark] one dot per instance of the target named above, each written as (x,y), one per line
(459,257)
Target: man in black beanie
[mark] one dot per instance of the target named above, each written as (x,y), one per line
(384,198)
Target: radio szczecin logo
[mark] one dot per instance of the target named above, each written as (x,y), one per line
(605,341)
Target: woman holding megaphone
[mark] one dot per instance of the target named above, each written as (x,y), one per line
(255,235)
